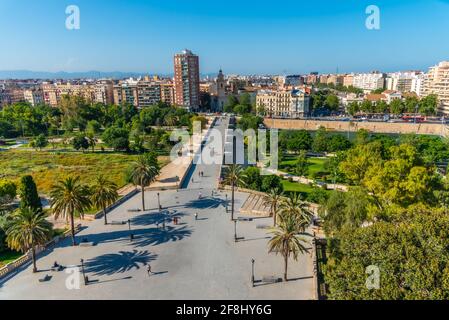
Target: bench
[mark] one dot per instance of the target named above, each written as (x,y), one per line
(46,278)
(86,244)
(134,210)
(245,219)
(263,226)
(271,279)
(118,223)
(58,268)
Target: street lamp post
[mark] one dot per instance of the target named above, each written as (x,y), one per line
(177,183)
(130,234)
(235,230)
(84,274)
(234,149)
(158,201)
(252,272)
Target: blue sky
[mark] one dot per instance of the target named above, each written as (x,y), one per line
(241,36)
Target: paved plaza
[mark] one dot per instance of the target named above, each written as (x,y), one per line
(195,259)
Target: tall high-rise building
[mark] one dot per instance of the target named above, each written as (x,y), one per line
(187,79)
(437,82)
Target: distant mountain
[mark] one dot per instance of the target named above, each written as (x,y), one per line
(26,74)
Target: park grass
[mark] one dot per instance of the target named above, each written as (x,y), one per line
(8,256)
(316,165)
(49,167)
(296,187)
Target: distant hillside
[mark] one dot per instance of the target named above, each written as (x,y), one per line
(26,74)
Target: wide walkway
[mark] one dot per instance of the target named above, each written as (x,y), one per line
(196,259)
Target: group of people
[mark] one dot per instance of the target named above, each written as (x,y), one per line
(200,175)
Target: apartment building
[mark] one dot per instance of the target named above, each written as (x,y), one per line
(293,80)
(167,92)
(311,79)
(335,79)
(3,97)
(187,79)
(52,92)
(369,81)
(437,82)
(402,81)
(348,80)
(33,96)
(126,92)
(143,93)
(323,79)
(418,83)
(148,93)
(104,92)
(283,103)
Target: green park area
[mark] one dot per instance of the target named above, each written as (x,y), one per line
(49,167)
(315,166)
(291,186)
(8,256)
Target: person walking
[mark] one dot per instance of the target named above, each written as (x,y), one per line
(149,270)
(196,215)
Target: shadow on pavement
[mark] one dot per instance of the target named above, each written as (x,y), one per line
(206,203)
(123,261)
(159,236)
(154,218)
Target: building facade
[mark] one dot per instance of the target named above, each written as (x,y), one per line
(283,103)
(369,81)
(402,81)
(187,80)
(437,82)
(33,96)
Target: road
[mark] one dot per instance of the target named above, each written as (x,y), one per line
(196,259)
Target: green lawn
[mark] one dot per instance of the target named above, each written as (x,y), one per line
(296,187)
(316,165)
(48,167)
(8,256)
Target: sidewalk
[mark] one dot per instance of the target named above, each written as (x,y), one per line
(174,173)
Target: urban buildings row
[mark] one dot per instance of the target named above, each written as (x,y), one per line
(277,93)
(182,90)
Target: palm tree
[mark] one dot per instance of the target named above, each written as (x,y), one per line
(295,207)
(273,199)
(144,172)
(67,197)
(27,230)
(103,194)
(288,239)
(92,140)
(234,176)
(170,120)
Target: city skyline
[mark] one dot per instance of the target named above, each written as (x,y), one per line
(244,39)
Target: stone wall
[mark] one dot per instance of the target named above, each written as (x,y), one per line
(349,126)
